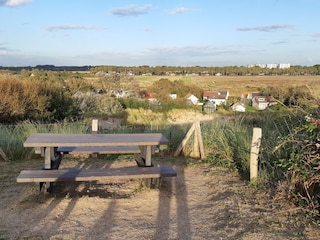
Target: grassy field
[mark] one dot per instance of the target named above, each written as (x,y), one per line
(236,85)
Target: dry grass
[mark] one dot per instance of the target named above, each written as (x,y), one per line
(236,85)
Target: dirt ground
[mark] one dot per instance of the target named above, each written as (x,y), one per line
(202,202)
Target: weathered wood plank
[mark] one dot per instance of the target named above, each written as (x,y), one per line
(85,140)
(185,140)
(95,174)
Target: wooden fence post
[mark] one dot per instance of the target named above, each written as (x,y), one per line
(200,140)
(195,151)
(94,130)
(94,125)
(255,148)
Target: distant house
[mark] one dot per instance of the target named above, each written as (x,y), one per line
(217,97)
(193,99)
(121,93)
(148,96)
(247,97)
(238,107)
(192,74)
(173,96)
(263,102)
(209,107)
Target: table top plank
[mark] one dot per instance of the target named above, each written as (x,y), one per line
(87,140)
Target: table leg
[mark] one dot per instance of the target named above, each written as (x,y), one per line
(146,153)
(48,157)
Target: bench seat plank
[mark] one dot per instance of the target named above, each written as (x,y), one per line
(95,174)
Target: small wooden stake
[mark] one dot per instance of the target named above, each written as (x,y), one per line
(4,156)
(200,141)
(185,140)
(255,147)
(195,152)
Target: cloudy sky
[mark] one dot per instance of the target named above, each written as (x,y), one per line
(156,33)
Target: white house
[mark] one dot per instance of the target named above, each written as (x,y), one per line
(248,96)
(238,107)
(284,65)
(173,96)
(217,97)
(263,102)
(192,98)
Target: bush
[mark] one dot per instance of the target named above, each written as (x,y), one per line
(61,105)
(98,104)
(21,100)
(299,159)
(134,103)
(34,100)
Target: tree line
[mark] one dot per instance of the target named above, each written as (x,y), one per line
(179,70)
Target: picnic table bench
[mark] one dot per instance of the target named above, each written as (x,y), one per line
(53,146)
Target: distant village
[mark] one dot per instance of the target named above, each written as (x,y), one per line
(212,99)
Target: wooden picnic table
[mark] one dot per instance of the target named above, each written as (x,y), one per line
(143,144)
(51,141)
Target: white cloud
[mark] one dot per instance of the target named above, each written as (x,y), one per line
(131,10)
(316,35)
(71,27)
(3,49)
(269,28)
(14,3)
(179,10)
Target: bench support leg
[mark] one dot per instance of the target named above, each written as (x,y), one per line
(46,187)
(144,158)
(52,160)
(152,182)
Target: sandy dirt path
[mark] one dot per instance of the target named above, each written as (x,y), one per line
(202,202)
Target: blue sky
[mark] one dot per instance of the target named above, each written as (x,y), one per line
(156,33)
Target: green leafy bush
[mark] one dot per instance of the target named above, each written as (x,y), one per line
(299,159)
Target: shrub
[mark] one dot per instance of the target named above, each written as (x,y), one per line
(36,100)
(61,105)
(21,100)
(299,159)
(92,104)
(134,103)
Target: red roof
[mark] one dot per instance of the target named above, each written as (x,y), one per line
(209,93)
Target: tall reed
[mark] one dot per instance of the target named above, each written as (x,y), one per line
(13,136)
(227,142)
